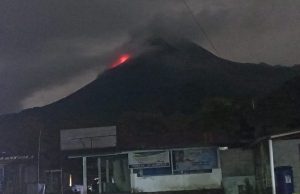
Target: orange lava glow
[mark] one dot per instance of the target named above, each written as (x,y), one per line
(122,59)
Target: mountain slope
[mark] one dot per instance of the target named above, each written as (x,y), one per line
(281,108)
(168,79)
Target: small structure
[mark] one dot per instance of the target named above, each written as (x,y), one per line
(17,173)
(108,166)
(21,173)
(277,163)
(83,141)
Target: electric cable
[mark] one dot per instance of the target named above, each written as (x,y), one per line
(199,26)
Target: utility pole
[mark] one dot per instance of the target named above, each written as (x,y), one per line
(38,161)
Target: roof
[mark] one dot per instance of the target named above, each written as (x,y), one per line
(277,136)
(4,159)
(119,152)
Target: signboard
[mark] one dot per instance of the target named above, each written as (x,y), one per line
(152,159)
(195,159)
(88,138)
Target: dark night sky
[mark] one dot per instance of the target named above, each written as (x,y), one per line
(51,48)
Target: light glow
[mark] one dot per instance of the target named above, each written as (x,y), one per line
(122,59)
(70,180)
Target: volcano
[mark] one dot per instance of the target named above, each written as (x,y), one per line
(170,79)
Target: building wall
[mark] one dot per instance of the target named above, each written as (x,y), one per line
(17,177)
(287,153)
(237,162)
(239,184)
(177,182)
(262,168)
(237,169)
(121,174)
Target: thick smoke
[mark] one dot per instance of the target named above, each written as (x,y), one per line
(48,48)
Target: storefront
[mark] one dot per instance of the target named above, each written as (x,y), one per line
(278,163)
(106,167)
(152,170)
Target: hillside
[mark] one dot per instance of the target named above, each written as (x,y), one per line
(280,109)
(171,79)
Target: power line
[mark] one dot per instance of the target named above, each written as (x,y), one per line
(199,26)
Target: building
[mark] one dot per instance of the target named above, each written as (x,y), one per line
(272,153)
(153,167)
(26,174)
(17,173)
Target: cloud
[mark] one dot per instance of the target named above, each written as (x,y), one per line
(45,45)
(54,93)
(255,31)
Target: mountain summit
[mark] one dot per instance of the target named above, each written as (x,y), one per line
(170,78)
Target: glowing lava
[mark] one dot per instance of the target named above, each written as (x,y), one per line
(122,59)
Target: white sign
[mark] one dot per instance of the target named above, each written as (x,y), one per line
(151,159)
(288,179)
(195,159)
(88,138)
